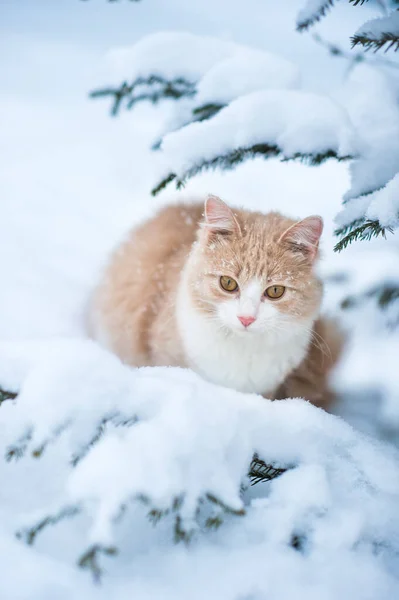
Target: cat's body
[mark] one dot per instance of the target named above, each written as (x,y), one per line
(161,301)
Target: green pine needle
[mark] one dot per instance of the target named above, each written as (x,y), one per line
(360,230)
(29,535)
(260,472)
(155,88)
(316,16)
(390,40)
(90,559)
(207,111)
(235,157)
(5,395)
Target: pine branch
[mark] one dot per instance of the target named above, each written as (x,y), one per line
(58,431)
(160,89)
(90,559)
(303,23)
(115,419)
(207,111)
(376,43)
(239,155)
(29,535)
(384,295)
(353,58)
(363,230)
(5,395)
(18,450)
(260,471)
(307,19)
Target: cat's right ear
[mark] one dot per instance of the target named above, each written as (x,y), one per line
(219,218)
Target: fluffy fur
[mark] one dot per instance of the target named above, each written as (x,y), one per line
(161,302)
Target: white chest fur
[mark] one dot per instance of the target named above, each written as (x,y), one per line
(249,362)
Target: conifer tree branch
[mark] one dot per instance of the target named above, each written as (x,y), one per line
(260,472)
(307,18)
(90,559)
(5,395)
(361,229)
(30,534)
(234,157)
(390,40)
(206,111)
(306,21)
(354,58)
(152,88)
(384,295)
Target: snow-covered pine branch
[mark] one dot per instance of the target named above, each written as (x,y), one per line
(312,12)
(160,468)
(290,124)
(371,215)
(236,103)
(379,33)
(152,89)
(208,71)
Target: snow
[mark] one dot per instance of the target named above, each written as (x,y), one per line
(73,182)
(312,11)
(296,122)
(342,494)
(246,72)
(168,54)
(376,28)
(371,99)
(211,62)
(382,206)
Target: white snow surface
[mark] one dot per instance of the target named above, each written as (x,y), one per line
(375,28)
(246,72)
(73,182)
(382,206)
(370,97)
(168,54)
(221,68)
(193,439)
(294,121)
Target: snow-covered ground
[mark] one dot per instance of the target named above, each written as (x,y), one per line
(73,181)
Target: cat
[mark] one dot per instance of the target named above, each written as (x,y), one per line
(231,294)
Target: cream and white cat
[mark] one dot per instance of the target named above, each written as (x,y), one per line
(231,294)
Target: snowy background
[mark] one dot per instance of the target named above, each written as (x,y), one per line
(73,181)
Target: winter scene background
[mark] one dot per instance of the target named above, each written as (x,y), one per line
(122,483)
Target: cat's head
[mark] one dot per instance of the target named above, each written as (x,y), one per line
(252,272)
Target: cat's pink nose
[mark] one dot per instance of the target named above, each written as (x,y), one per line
(246,321)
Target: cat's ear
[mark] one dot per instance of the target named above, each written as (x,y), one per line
(304,236)
(219,218)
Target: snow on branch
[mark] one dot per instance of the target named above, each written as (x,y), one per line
(369,216)
(177,65)
(315,10)
(184,458)
(151,89)
(289,124)
(379,33)
(312,12)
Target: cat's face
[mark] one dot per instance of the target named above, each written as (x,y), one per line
(252,273)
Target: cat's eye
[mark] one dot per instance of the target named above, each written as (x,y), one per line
(275,291)
(228,283)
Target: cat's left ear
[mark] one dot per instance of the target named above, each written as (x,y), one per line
(304,235)
(219,218)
